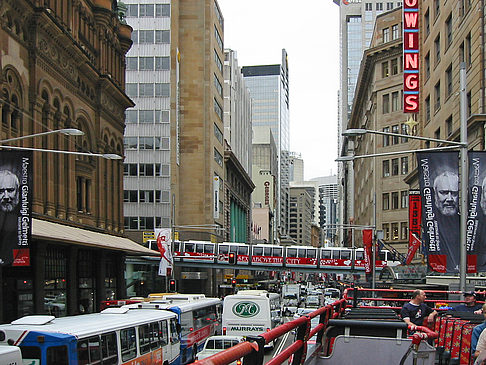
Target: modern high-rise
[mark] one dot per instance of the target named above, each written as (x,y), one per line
(269,90)
(174,165)
(357,21)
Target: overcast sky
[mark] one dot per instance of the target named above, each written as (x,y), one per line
(309,31)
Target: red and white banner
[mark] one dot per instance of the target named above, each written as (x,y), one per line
(413,246)
(367,242)
(162,235)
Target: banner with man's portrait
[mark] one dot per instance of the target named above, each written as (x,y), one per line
(439,187)
(15,207)
(476,224)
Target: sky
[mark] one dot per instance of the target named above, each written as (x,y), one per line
(309,31)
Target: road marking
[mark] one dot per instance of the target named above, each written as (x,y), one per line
(281,345)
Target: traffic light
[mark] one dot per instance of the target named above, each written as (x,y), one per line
(233,258)
(172,285)
(233,282)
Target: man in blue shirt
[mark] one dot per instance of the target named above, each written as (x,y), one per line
(477,331)
(469,304)
(414,312)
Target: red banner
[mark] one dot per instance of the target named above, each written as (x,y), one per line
(367,241)
(413,246)
(414,221)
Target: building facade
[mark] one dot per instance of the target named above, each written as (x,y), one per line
(328,218)
(301,215)
(63,66)
(269,90)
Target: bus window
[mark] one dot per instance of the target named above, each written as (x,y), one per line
(164,333)
(177,246)
(381,256)
(359,255)
(291,252)
(199,248)
(189,247)
(326,254)
(187,323)
(234,248)
(311,253)
(128,344)
(58,355)
(345,254)
(83,354)
(267,251)
(208,248)
(301,253)
(335,254)
(109,349)
(277,251)
(174,335)
(155,341)
(94,350)
(243,250)
(31,352)
(258,251)
(144,338)
(223,249)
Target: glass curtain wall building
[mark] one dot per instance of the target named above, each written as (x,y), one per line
(269,90)
(147,134)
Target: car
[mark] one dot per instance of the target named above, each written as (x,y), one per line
(215,344)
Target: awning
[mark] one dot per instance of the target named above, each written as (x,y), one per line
(61,233)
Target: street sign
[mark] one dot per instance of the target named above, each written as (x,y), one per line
(148,235)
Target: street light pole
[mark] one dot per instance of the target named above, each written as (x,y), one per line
(464,179)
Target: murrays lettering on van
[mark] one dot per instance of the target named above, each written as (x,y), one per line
(247,328)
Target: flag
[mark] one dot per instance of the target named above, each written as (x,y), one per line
(414,244)
(162,236)
(367,241)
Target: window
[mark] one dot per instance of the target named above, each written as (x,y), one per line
(427,108)
(386,201)
(386,103)
(468,49)
(162,90)
(404,164)
(146,116)
(386,34)
(386,139)
(404,231)
(146,169)
(146,196)
(394,166)
(437,96)
(449,80)
(437,135)
(162,10)
(57,355)
(131,89)
(144,336)
(437,8)
(162,36)
(146,90)
(379,7)
(219,64)
(368,6)
(461,52)
(448,26)
(394,231)
(437,49)
(394,66)
(218,158)
(146,64)
(130,143)
(162,63)
(395,139)
(146,143)
(218,38)
(132,63)
(448,124)
(146,36)
(130,196)
(386,168)
(130,169)
(468,102)
(385,72)
(427,22)
(394,200)
(427,65)
(128,344)
(389,6)
(217,85)
(132,10)
(131,116)
(395,30)
(146,10)
(395,102)
(218,110)
(218,134)
(404,199)
(404,129)
(386,231)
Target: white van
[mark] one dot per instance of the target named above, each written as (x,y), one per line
(10,355)
(251,312)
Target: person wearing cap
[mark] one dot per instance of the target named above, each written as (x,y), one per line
(469,305)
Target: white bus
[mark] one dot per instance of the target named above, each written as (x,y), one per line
(251,312)
(115,336)
(10,355)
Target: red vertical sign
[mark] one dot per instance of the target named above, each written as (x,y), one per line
(414,221)
(410,56)
(367,241)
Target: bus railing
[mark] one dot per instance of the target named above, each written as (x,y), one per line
(252,351)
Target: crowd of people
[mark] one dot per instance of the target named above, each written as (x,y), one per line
(416,311)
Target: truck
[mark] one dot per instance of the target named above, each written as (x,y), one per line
(290,299)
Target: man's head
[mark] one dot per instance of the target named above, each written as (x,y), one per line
(418,296)
(470,298)
(446,187)
(9,191)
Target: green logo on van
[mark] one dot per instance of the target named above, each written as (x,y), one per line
(246,309)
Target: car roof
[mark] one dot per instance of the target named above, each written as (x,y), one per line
(226,337)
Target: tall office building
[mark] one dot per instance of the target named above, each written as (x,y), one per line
(174,165)
(296,167)
(269,90)
(357,20)
(328,195)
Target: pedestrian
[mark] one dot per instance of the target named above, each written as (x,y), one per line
(415,311)
(469,305)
